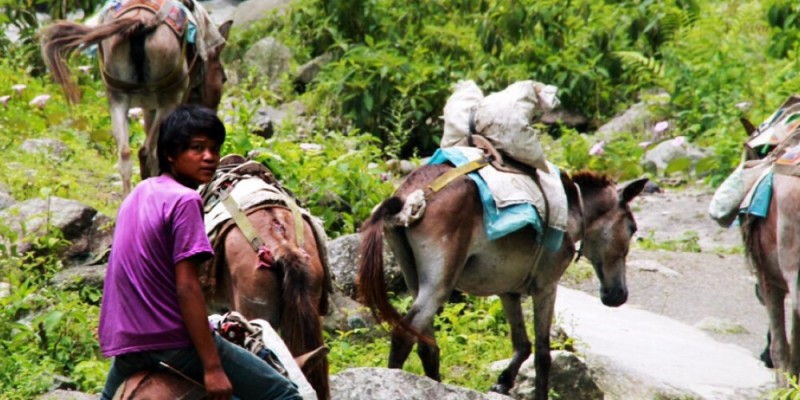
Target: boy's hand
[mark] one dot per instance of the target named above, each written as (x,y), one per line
(217,385)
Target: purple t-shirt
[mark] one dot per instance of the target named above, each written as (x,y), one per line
(159,224)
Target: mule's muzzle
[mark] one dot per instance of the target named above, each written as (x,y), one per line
(614,297)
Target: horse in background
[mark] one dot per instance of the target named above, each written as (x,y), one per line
(447,248)
(146,62)
(285,279)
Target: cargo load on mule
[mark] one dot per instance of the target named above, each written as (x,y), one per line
(771,148)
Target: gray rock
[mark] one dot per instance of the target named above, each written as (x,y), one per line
(633,120)
(346,314)
(52,147)
(383,383)
(253,10)
(568,118)
(269,59)
(6,200)
(81,276)
(88,231)
(659,157)
(308,71)
(569,377)
(635,354)
(61,394)
(343,255)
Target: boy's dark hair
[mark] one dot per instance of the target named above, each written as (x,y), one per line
(183,124)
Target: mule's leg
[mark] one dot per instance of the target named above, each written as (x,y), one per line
(420,317)
(512,306)
(429,354)
(779,346)
(544,302)
(119,104)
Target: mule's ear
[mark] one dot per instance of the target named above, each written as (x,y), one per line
(748,126)
(225,28)
(631,190)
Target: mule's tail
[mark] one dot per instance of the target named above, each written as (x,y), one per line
(301,324)
(62,38)
(370,279)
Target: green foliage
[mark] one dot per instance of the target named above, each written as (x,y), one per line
(688,242)
(792,392)
(44,332)
(476,326)
(21,15)
(620,158)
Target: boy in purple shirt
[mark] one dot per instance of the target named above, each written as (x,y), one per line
(153,308)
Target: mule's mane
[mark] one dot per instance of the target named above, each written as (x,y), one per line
(591,181)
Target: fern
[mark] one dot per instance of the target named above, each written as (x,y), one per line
(639,63)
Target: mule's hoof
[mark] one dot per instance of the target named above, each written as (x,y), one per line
(500,388)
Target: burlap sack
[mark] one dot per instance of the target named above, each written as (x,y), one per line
(504,118)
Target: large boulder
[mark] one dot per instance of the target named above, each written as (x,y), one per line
(269,59)
(343,253)
(661,155)
(383,383)
(88,231)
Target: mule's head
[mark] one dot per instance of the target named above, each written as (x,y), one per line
(609,227)
(211,87)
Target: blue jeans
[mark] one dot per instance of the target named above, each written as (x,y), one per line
(251,377)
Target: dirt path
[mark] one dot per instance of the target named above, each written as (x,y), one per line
(712,289)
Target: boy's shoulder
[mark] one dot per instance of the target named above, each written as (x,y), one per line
(166,188)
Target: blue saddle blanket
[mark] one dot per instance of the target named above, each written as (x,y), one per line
(499,222)
(758,204)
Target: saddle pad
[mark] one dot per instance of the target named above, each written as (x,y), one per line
(513,201)
(248,193)
(176,18)
(757,200)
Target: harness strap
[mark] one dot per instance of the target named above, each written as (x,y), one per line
(244,224)
(453,174)
(249,231)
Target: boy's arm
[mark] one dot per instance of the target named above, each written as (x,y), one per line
(193,309)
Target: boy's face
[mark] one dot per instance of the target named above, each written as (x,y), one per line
(196,165)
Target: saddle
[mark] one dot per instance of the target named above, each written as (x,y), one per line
(172,13)
(169,383)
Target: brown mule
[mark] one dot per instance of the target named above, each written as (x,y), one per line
(292,295)
(447,249)
(157,385)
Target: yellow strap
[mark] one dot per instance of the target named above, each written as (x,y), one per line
(455,173)
(247,228)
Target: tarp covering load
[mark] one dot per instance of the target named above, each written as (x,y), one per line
(504,118)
